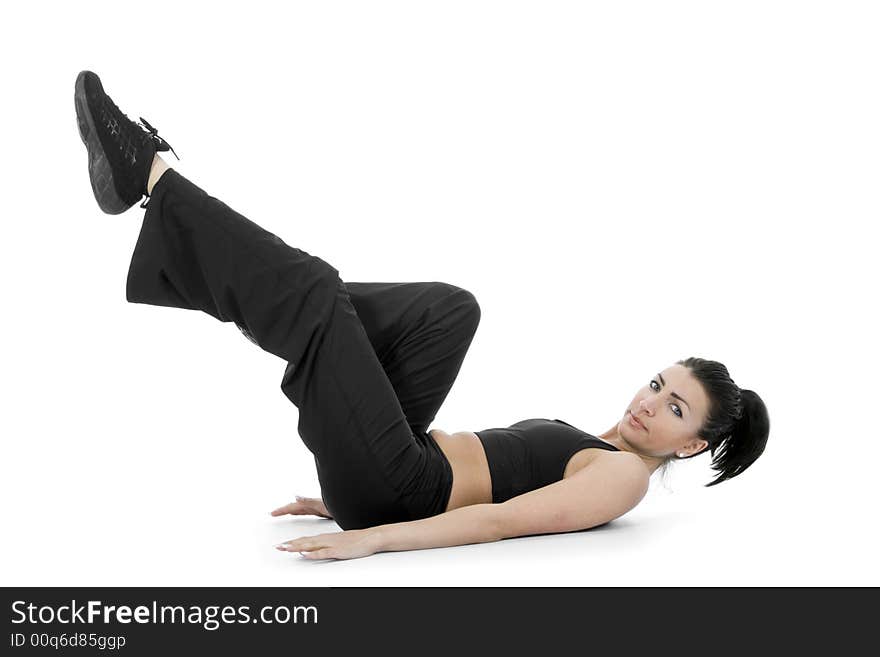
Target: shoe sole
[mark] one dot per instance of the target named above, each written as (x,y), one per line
(100,171)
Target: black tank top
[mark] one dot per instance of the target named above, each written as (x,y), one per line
(531,454)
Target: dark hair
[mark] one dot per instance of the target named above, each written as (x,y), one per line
(737,424)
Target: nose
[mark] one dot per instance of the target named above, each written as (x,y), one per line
(646,406)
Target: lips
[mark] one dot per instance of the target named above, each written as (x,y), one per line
(636,421)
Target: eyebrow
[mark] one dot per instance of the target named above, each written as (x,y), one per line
(676,395)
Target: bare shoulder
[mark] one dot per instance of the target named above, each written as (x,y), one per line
(622,461)
(628,472)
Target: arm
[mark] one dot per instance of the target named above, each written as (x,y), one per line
(471,524)
(610,486)
(606,489)
(478,523)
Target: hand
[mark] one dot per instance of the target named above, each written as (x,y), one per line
(304,506)
(351,544)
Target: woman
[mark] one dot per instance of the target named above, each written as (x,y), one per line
(369,364)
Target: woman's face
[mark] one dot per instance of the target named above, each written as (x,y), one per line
(670,408)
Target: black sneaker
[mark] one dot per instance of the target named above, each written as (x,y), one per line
(120,150)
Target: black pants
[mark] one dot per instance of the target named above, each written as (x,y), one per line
(368,364)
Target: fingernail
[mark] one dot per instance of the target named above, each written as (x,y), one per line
(281,546)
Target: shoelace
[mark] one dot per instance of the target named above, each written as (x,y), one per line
(161,145)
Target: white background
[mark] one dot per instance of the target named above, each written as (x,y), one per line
(620,184)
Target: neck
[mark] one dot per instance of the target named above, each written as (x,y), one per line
(613,436)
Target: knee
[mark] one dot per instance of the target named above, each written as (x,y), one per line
(466,306)
(473,309)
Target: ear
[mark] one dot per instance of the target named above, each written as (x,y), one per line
(696,446)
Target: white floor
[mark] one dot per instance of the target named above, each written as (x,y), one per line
(621,186)
(181,494)
(216,539)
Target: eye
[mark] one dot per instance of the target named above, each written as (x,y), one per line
(677,408)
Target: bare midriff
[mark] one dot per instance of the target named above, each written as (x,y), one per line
(471,479)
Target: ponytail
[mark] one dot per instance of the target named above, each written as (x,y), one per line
(746,440)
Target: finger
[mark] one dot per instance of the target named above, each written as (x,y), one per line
(314,505)
(294,509)
(324,553)
(306,543)
(281,510)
